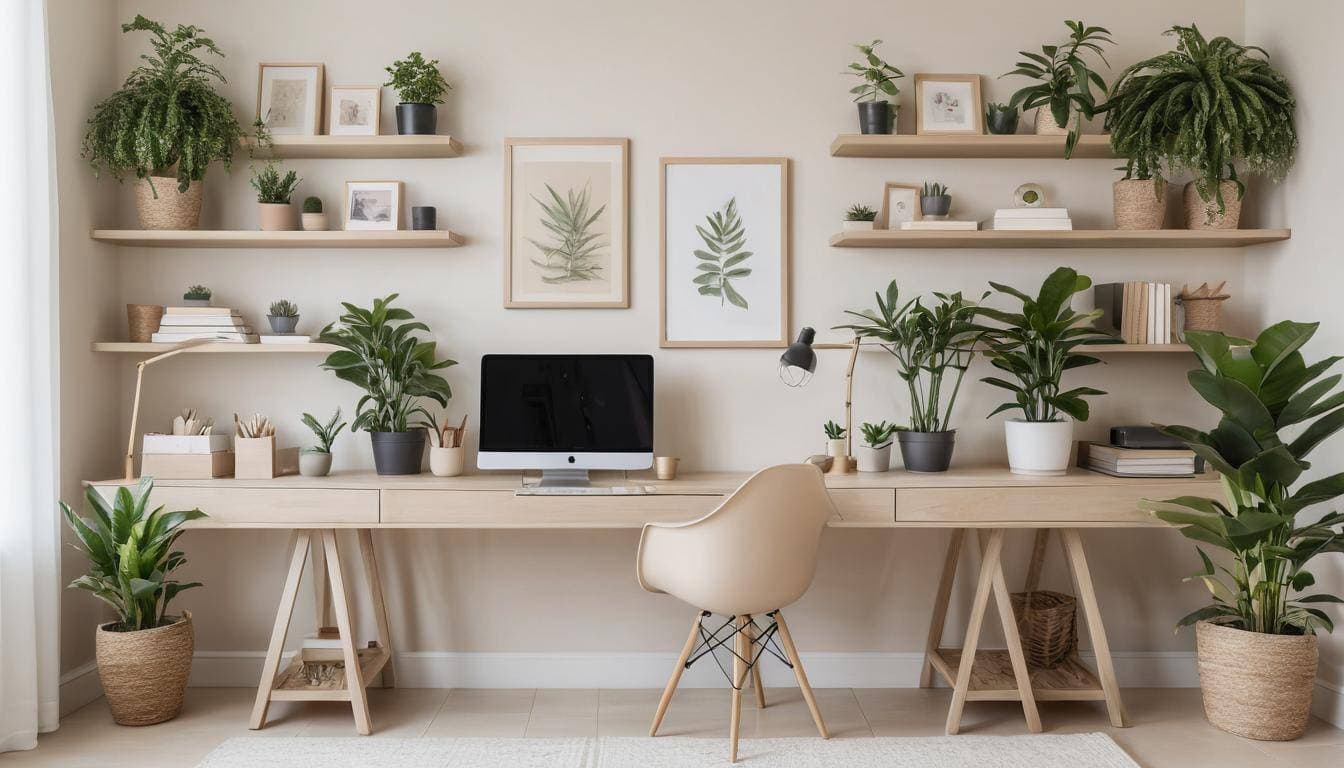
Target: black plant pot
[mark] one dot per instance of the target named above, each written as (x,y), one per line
(1002,122)
(416,119)
(424,217)
(398,453)
(927,451)
(874,117)
(937,205)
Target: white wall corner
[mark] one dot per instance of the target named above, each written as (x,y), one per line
(80,686)
(1327,703)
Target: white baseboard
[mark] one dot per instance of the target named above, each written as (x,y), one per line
(81,686)
(1327,703)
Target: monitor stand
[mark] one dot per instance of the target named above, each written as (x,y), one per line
(564,478)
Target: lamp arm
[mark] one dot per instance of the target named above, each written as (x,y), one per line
(135,405)
(849,396)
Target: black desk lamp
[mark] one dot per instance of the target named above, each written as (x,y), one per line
(799,361)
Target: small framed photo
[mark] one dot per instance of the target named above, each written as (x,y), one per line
(289,98)
(353,110)
(948,104)
(900,203)
(372,205)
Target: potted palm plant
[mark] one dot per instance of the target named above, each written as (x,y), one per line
(316,460)
(274,193)
(1257,641)
(1035,347)
(928,344)
(1063,97)
(875,453)
(876,114)
(144,656)
(1222,105)
(165,125)
(380,354)
(419,86)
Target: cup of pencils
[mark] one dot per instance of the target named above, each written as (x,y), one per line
(446,454)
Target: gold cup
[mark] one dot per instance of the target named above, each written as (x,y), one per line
(666,467)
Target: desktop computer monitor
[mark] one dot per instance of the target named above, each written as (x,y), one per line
(566,414)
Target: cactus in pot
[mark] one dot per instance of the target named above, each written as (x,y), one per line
(313,219)
(283,316)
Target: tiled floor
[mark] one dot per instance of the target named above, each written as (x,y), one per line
(1168,726)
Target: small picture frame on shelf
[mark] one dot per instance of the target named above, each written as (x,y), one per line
(373,205)
(900,203)
(948,105)
(289,98)
(353,110)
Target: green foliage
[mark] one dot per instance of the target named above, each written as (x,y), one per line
(860,213)
(1203,108)
(166,119)
(312,204)
(1262,388)
(933,189)
(994,108)
(197,293)
(927,342)
(721,264)
(879,77)
(877,435)
(326,433)
(284,308)
(833,431)
(1066,79)
(572,257)
(381,355)
(417,81)
(272,187)
(131,555)
(1036,346)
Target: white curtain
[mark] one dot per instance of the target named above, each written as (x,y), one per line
(29,525)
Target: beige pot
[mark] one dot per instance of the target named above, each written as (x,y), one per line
(144,673)
(1256,685)
(446,462)
(143,320)
(1139,204)
(1046,125)
(314,222)
(161,206)
(276,217)
(1204,215)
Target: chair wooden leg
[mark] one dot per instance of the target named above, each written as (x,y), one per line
(752,633)
(792,652)
(379,605)
(1087,595)
(940,602)
(340,598)
(676,674)
(739,679)
(298,553)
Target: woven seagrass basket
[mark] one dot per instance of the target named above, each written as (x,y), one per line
(1256,685)
(1202,215)
(1139,204)
(143,321)
(144,673)
(170,209)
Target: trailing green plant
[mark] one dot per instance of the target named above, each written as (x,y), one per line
(381,355)
(326,433)
(167,118)
(1037,345)
(722,263)
(273,188)
(284,308)
(860,213)
(928,343)
(877,435)
(833,431)
(1204,108)
(312,204)
(879,77)
(417,81)
(1066,78)
(573,255)
(197,293)
(131,555)
(1262,388)
(933,189)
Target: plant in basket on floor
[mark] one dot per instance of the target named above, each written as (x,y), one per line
(1064,96)
(876,114)
(381,355)
(1257,640)
(144,656)
(419,86)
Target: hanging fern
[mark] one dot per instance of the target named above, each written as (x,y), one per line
(718,267)
(573,255)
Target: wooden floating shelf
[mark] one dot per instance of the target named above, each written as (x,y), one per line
(1077,238)
(1092,349)
(1017,146)
(358,147)
(992,678)
(247,238)
(220,347)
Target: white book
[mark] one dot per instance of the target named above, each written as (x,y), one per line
(939,224)
(1031,213)
(225,311)
(285,338)
(1152,313)
(1030,225)
(1166,311)
(202,320)
(156,443)
(226,336)
(186,330)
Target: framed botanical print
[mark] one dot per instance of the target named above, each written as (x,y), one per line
(948,104)
(373,205)
(566,223)
(724,251)
(289,98)
(900,203)
(353,110)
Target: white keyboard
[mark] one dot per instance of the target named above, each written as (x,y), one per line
(594,490)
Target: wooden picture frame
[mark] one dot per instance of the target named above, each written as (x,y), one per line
(340,124)
(291,123)
(692,191)
(959,86)
(592,171)
(372,222)
(883,220)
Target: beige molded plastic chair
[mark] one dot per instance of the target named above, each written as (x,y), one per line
(750,557)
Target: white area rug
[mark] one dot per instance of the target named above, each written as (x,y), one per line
(1094,750)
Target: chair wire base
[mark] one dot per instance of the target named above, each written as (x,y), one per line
(758,644)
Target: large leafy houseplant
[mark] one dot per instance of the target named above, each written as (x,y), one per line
(877,81)
(1066,79)
(416,80)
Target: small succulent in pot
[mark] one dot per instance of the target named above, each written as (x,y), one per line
(935,202)
(875,453)
(283,316)
(419,86)
(197,296)
(314,220)
(836,444)
(876,114)
(1001,119)
(859,217)
(274,193)
(315,461)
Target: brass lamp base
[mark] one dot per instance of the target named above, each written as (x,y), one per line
(841,465)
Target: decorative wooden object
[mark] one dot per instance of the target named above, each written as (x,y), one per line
(258,458)
(843,465)
(385,147)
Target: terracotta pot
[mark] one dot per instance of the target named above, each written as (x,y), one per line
(1204,215)
(1045,124)
(161,206)
(276,217)
(1139,204)
(1256,685)
(144,673)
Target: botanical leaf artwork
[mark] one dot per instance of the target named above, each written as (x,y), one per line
(719,266)
(572,257)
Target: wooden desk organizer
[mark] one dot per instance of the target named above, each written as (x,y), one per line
(257,458)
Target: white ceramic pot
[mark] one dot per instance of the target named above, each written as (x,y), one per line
(314,222)
(1038,447)
(836,447)
(314,464)
(874,459)
(276,217)
(856,226)
(446,462)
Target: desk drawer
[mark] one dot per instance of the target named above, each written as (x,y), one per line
(269,507)
(1076,506)
(502,509)
(864,506)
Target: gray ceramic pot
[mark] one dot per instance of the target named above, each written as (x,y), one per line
(874,117)
(416,119)
(283,324)
(1002,122)
(314,463)
(424,217)
(398,453)
(927,451)
(938,205)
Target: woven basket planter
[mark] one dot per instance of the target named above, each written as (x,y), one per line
(1256,685)
(1045,124)
(1139,204)
(170,209)
(1046,622)
(143,320)
(1202,215)
(1204,314)
(144,673)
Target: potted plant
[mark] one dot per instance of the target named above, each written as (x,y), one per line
(928,343)
(1035,347)
(1257,641)
(934,201)
(1139,198)
(875,453)
(859,217)
(876,114)
(316,460)
(144,656)
(273,196)
(836,444)
(314,220)
(165,125)
(1228,107)
(1001,119)
(283,316)
(419,86)
(381,355)
(197,296)
(1063,97)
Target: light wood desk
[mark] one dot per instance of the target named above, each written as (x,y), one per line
(989,501)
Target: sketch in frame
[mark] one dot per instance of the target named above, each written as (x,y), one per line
(289,98)
(900,203)
(373,205)
(948,104)
(724,252)
(353,110)
(566,220)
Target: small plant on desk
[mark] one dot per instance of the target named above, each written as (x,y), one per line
(836,444)
(316,461)
(833,431)
(877,435)
(875,453)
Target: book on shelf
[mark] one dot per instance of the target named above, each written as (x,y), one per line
(225,336)
(201,321)
(187,330)
(155,442)
(1139,462)
(1004,214)
(1030,225)
(1137,312)
(285,338)
(938,225)
(209,311)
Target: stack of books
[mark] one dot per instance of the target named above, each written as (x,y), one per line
(285,338)
(1139,462)
(1030,219)
(1139,313)
(215,323)
(936,225)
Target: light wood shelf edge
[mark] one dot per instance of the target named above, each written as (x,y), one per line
(1020,146)
(1077,238)
(248,238)
(1094,349)
(381,147)
(223,347)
